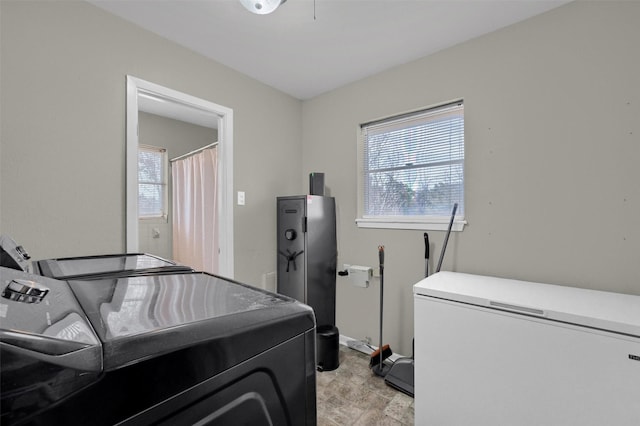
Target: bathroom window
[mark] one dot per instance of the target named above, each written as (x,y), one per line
(411,169)
(152,182)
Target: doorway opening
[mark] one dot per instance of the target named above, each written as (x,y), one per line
(159,100)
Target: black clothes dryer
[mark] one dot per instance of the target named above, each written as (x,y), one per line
(169,348)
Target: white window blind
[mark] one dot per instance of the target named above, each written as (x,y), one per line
(152,182)
(412,168)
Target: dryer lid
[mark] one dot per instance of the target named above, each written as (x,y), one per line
(107,265)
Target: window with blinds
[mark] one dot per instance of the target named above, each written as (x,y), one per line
(152,182)
(411,169)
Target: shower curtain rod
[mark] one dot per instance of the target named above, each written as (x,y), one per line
(195,151)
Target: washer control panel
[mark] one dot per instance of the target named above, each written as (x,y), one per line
(25,291)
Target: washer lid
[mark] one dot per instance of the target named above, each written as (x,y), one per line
(615,312)
(143,316)
(106,265)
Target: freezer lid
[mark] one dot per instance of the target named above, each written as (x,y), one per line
(41,319)
(106,265)
(615,312)
(143,316)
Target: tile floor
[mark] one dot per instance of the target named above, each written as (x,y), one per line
(353,395)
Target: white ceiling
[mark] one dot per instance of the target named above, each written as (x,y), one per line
(347,41)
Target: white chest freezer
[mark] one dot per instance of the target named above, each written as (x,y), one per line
(492,351)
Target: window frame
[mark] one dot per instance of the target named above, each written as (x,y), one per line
(417,222)
(164,184)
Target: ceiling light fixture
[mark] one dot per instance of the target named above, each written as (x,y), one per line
(261,7)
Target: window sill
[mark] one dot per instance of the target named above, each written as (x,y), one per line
(153,219)
(425,225)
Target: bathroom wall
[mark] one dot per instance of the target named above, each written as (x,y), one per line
(155,235)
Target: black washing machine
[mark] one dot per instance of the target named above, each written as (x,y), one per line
(172,348)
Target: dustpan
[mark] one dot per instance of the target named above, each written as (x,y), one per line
(400,376)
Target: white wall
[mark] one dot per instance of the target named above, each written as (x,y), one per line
(62,174)
(552,133)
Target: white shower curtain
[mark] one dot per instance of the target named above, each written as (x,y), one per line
(195,211)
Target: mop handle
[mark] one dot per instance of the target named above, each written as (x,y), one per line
(381,260)
(426,254)
(426,245)
(446,239)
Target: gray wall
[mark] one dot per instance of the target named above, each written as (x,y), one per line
(552,146)
(178,138)
(552,132)
(63,131)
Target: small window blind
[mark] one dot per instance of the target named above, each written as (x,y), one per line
(152,182)
(413,164)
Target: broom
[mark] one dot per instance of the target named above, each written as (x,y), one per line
(378,356)
(376,362)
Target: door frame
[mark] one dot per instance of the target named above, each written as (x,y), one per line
(136,86)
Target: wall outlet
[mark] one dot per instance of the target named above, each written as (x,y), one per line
(241,198)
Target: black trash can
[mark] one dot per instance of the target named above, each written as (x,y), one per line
(328,351)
